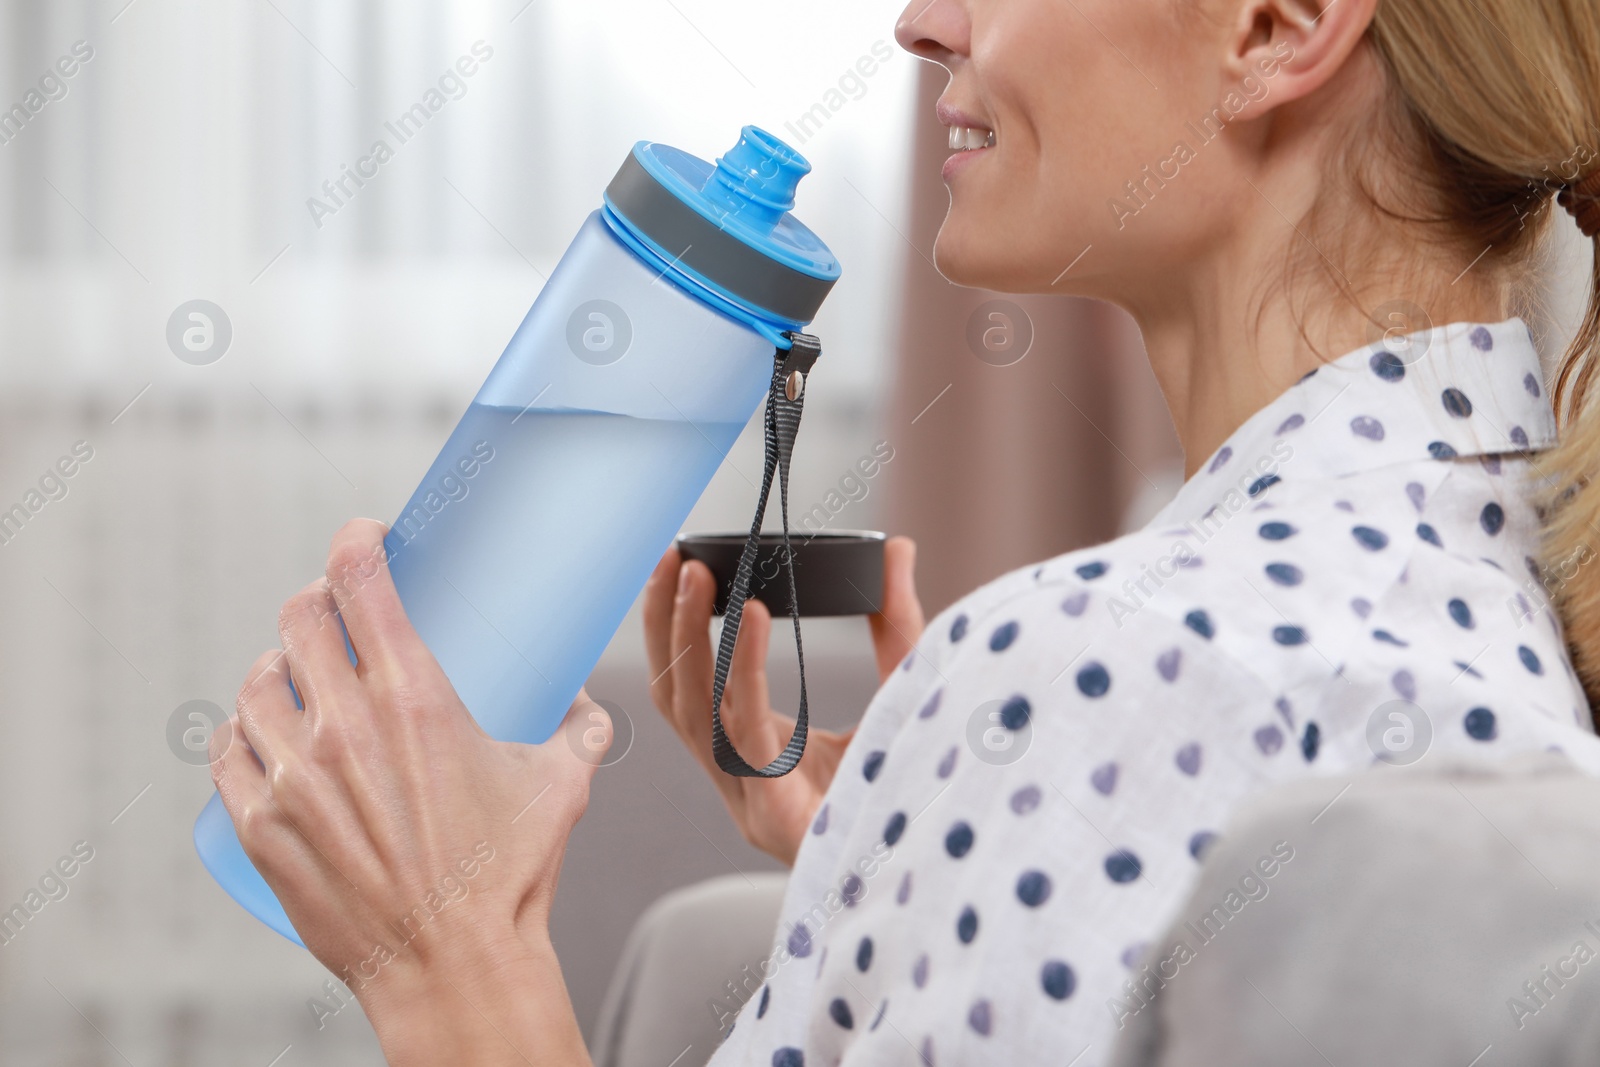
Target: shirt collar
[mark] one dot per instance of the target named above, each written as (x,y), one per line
(1465,389)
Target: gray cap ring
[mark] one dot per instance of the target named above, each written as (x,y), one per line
(710,251)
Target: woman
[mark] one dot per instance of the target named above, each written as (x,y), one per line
(1285,194)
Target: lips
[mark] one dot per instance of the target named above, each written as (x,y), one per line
(968,132)
(968,138)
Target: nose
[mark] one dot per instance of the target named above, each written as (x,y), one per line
(936,30)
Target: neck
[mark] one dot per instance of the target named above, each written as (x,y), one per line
(1218,361)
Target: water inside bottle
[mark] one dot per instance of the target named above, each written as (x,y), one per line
(528,508)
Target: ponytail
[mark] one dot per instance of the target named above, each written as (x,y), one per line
(1504,98)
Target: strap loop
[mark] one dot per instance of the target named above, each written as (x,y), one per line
(782,423)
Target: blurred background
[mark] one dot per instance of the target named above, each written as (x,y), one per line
(176,163)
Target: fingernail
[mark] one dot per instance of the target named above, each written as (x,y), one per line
(683,581)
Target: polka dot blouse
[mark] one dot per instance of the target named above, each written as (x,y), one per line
(1348,579)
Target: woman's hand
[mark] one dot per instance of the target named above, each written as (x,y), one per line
(772,813)
(415,855)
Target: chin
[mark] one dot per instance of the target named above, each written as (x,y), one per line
(972,256)
(982,256)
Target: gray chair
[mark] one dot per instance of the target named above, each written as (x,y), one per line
(688,965)
(1436,916)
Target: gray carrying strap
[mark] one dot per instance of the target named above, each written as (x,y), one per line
(782,423)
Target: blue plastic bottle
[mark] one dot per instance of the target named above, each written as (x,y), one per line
(640,362)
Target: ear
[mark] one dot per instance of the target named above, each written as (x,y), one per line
(1283,50)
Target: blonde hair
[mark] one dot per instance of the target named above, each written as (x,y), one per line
(1504,98)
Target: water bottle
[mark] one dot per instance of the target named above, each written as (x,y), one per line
(637,367)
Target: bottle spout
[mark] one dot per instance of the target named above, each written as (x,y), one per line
(756,179)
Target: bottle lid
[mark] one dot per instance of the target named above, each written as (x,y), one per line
(836,572)
(727,225)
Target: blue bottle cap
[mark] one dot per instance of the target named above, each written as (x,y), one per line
(726,227)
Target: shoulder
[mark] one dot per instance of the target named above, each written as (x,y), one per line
(1264,602)
(1267,594)
(1110,620)
(1262,577)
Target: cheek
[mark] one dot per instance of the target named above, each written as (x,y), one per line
(1063,103)
(1079,119)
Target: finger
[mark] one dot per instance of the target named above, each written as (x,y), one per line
(659,593)
(284,856)
(236,770)
(691,658)
(896,628)
(588,732)
(359,579)
(692,673)
(313,644)
(267,715)
(561,770)
(241,782)
(746,711)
